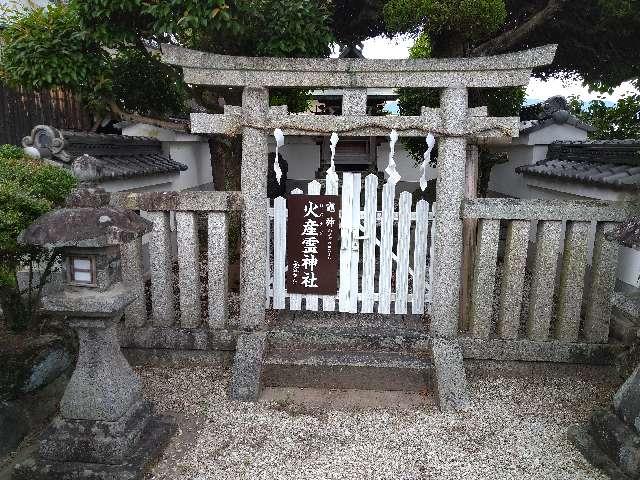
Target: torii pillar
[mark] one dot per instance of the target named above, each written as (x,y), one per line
(451,387)
(253,181)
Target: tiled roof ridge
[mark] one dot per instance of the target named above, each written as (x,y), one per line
(73,136)
(114,167)
(628,141)
(619,176)
(530,126)
(110,156)
(615,152)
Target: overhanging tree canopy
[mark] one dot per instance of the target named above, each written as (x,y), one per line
(103,50)
(597,38)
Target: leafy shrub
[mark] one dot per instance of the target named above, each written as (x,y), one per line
(611,122)
(475,19)
(143,84)
(28,188)
(45,48)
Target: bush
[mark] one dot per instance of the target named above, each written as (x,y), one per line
(28,189)
(45,48)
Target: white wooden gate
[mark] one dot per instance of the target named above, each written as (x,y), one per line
(404,241)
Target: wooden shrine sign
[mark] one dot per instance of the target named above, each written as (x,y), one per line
(313,244)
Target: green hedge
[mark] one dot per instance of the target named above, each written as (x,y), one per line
(28,189)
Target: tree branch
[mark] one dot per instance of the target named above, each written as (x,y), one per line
(134,117)
(512,38)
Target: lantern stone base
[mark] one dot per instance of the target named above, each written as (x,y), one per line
(611,439)
(98,450)
(609,444)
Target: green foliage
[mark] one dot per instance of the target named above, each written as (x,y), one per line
(127,21)
(99,49)
(290,28)
(143,84)
(501,102)
(356,20)
(28,189)
(422,47)
(11,152)
(297,100)
(618,122)
(597,41)
(47,48)
(472,19)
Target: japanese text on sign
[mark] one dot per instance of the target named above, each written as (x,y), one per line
(313,244)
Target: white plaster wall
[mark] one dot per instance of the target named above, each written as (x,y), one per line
(197,158)
(540,187)
(162,134)
(552,133)
(190,150)
(527,150)
(504,179)
(405,164)
(302,155)
(629,266)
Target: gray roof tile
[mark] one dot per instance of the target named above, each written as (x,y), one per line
(613,163)
(119,156)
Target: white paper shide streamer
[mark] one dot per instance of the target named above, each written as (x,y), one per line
(431,141)
(279,136)
(331,171)
(394,176)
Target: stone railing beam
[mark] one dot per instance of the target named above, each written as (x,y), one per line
(179,201)
(517,209)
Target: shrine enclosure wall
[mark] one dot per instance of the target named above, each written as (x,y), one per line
(573,327)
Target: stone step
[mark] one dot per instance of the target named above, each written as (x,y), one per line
(340,319)
(392,339)
(343,369)
(343,331)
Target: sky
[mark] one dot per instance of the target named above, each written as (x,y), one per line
(538,90)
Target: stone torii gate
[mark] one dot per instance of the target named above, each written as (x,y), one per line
(454,124)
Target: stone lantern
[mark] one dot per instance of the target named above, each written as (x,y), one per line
(105,428)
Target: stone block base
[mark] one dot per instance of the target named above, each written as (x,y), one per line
(247,367)
(609,444)
(450,379)
(95,441)
(152,442)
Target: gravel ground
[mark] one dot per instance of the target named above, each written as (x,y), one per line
(515,429)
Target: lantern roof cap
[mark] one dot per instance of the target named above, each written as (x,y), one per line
(86,221)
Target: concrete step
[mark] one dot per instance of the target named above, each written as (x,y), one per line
(346,369)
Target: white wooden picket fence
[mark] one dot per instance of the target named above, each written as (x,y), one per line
(374,244)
